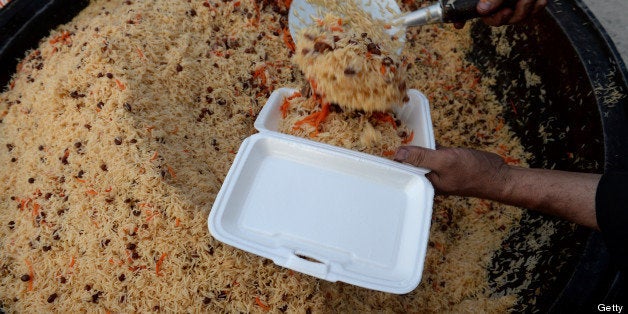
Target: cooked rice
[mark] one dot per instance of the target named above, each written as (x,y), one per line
(354,67)
(377,133)
(118,130)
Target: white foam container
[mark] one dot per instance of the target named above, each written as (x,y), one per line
(329,212)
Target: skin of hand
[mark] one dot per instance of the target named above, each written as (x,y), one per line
(473,173)
(496,16)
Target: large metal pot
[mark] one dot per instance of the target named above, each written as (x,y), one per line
(576,119)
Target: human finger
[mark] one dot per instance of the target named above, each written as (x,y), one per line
(485,7)
(499,18)
(523,9)
(417,156)
(538,6)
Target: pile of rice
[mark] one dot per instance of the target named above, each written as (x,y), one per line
(376,133)
(118,130)
(354,67)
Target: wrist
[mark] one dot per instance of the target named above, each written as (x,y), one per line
(500,184)
(505,183)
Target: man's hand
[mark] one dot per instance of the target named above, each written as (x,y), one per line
(459,171)
(468,172)
(495,16)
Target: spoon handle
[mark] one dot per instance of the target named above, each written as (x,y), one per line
(464,10)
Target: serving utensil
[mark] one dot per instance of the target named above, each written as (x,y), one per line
(442,11)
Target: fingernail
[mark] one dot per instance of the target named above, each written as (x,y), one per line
(484,6)
(401,154)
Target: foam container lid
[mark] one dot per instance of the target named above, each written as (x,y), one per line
(326,211)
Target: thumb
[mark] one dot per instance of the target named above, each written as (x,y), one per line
(485,7)
(416,156)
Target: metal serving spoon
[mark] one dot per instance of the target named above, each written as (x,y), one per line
(443,11)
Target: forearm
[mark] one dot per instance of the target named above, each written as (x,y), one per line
(468,172)
(569,195)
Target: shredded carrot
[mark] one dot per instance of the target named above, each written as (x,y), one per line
(140,53)
(236,4)
(294,95)
(287,39)
(155,155)
(151,214)
(382,69)
(512,106)
(261,304)
(336,29)
(500,125)
(408,139)
(108,189)
(159,262)
(80,180)
(128,256)
(91,192)
(19,66)
(136,268)
(285,106)
(120,85)
(440,247)
(503,149)
(64,38)
(24,203)
(31,274)
(177,222)
(171,172)
(511,160)
(261,73)
(35,209)
(387,26)
(388,153)
(255,20)
(385,117)
(314,119)
(480,211)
